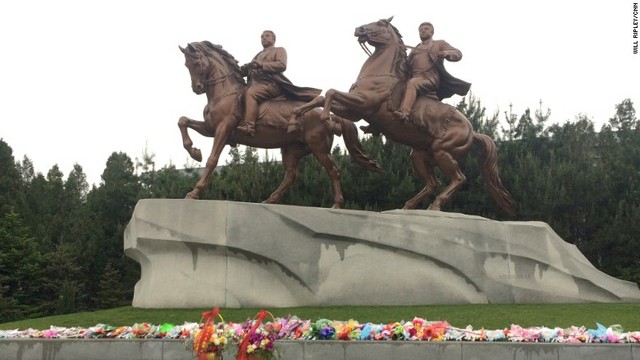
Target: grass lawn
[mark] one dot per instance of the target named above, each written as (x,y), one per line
(479,316)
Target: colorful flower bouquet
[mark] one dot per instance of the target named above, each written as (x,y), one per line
(258,341)
(261,345)
(261,336)
(213,346)
(210,340)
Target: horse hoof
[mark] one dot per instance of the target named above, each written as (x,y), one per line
(192,196)
(196,155)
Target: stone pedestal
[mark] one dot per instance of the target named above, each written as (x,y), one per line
(231,254)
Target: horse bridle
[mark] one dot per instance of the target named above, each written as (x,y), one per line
(217,80)
(364,47)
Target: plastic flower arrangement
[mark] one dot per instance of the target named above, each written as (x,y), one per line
(323,329)
(258,343)
(214,345)
(254,337)
(210,340)
(261,342)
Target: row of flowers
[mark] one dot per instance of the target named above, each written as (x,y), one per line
(293,328)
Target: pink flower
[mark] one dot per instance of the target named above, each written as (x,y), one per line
(50,334)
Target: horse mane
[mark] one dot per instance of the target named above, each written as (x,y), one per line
(208,48)
(402,63)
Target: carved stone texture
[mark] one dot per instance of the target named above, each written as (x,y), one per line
(230,254)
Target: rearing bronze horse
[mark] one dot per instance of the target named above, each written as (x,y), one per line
(216,73)
(437,133)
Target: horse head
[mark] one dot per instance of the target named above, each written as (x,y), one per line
(209,65)
(379,33)
(390,51)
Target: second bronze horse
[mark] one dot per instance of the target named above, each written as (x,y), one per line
(437,133)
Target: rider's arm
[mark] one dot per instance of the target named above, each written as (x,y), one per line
(449,52)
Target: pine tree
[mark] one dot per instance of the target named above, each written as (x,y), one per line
(110,292)
(21,265)
(11,196)
(8,308)
(110,208)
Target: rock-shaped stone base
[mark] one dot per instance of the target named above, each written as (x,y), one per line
(231,254)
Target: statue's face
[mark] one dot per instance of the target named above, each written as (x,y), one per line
(268,39)
(426,32)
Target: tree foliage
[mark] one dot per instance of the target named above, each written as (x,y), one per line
(21,265)
(10,182)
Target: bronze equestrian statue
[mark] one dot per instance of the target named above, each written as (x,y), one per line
(437,133)
(216,73)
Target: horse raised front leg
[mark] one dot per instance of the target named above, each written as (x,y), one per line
(219,143)
(296,113)
(200,126)
(355,104)
(328,103)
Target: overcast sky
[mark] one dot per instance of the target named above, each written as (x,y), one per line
(82,79)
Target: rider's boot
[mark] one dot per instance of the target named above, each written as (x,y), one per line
(401,115)
(248,128)
(250,116)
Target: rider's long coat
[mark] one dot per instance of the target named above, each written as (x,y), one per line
(448,84)
(274,63)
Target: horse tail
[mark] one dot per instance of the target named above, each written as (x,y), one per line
(354,146)
(489,164)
